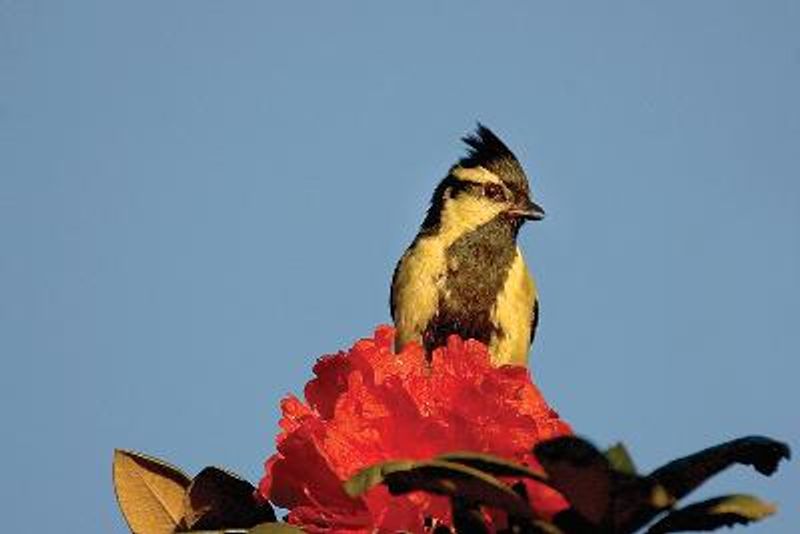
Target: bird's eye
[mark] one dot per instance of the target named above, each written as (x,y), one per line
(494,192)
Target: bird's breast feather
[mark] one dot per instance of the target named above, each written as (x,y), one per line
(416,289)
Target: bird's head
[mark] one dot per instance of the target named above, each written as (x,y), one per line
(487,184)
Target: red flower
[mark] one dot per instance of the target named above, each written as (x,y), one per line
(370,405)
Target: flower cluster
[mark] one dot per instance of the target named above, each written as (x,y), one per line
(369,405)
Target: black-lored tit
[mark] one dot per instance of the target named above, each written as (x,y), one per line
(464,273)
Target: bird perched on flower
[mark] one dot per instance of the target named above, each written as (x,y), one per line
(464,273)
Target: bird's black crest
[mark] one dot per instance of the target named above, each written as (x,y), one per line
(484,148)
(488,151)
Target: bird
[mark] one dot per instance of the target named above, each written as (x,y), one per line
(464,272)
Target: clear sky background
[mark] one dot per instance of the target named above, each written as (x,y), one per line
(197,199)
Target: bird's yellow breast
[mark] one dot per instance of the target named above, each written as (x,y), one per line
(415,290)
(418,288)
(420,275)
(512,313)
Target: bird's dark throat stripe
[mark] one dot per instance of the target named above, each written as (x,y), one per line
(477,267)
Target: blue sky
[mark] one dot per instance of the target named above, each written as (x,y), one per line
(199,198)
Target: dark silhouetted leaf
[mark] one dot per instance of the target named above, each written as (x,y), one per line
(149,491)
(493,465)
(456,480)
(538,526)
(571,522)
(603,497)
(218,499)
(579,472)
(620,460)
(263,528)
(636,501)
(605,493)
(714,513)
(683,475)
(468,517)
(275,528)
(442,478)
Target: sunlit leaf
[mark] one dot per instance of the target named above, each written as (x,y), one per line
(218,499)
(371,476)
(620,459)
(714,513)
(683,475)
(149,491)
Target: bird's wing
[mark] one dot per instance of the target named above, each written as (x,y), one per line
(534,319)
(393,291)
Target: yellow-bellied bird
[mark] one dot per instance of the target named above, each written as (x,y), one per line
(463,273)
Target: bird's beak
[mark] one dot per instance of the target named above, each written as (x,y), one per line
(528,209)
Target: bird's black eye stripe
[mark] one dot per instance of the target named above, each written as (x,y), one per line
(461,186)
(494,192)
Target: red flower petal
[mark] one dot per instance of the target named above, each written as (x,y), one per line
(370,405)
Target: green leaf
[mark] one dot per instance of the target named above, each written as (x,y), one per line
(371,476)
(442,478)
(620,459)
(149,491)
(499,467)
(683,475)
(218,499)
(714,513)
